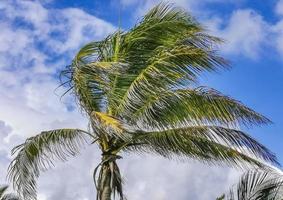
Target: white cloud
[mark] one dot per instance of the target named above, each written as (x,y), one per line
(279,7)
(277,29)
(277,38)
(5,145)
(248,34)
(5,130)
(245,33)
(163,179)
(129,2)
(21,37)
(58,30)
(81,28)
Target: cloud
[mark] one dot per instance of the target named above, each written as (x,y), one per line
(56,31)
(157,178)
(279,7)
(5,129)
(7,142)
(81,27)
(277,37)
(248,34)
(4,160)
(80,186)
(129,2)
(245,33)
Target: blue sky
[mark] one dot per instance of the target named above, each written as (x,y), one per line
(37,38)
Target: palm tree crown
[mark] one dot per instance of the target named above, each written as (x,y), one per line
(138,90)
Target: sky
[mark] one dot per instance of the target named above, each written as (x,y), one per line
(39,38)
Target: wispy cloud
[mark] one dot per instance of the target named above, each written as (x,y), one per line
(279,7)
(277,29)
(244,33)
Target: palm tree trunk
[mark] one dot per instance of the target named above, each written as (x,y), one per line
(104,183)
(109,180)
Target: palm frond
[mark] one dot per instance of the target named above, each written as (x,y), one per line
(208,143)
(168,46)
(193,106)
(258,185)
(108,126)
(90,75)
(10,197)
(39,153)
(107,120)
(3,190)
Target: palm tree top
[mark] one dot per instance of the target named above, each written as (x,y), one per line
(138,90)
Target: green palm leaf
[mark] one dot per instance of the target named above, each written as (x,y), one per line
(210,144)
(39,153)
(193,106)
(10,197)
(2,190)
(258,185)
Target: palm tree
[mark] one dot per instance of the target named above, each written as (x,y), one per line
(139,91)
(4,196)
(257,185)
